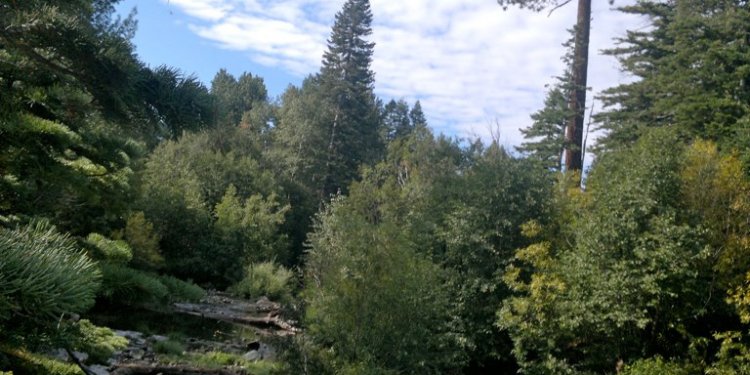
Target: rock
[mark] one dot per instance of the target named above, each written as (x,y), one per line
(252,355)
(137,354)
(129,334)
(158,338)
(59,354)
(81,356)
(266,351)
(99,370)
(135,338)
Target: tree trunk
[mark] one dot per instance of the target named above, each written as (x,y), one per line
(577,100)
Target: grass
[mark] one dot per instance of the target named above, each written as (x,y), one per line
(170,347)
(215,360)
(23,362)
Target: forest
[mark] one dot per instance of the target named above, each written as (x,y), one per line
(128,192)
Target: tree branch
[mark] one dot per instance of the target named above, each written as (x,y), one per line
(558,6)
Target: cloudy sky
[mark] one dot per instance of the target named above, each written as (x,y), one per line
(470,63)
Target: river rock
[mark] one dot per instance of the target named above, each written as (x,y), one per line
(252,355)
(99,370)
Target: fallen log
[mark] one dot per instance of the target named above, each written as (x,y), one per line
(262,314)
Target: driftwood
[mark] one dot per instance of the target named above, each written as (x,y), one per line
(155,369)
(261,314)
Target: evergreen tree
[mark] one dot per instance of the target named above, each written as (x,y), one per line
(347,81)
(545,138)
(417,117)
(579,74)
(236,96)
(396,120)
(179,103)
(65,153)
(692,64)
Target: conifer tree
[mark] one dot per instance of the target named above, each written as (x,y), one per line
(347,81)
(545,138)
(236,96)
(396,121)
(417,117)
(577,96)
(692,69)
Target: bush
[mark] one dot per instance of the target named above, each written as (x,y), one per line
(265,279)
(656,365)
(182,291)
(144,241)
(23,362)
(100,343)
(169,347)
(114,251)
(127,286)
(43,274)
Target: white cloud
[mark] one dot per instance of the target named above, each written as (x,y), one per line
(469,62)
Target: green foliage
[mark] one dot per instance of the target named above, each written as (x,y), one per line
(181,291)
(216,360)
(352,135)
(733,356)
(128,286)
(114,251)
(265,279)
(180,102)
(213,206)
(330,126)
(251,227)
(43,275)
(690,65)
(545,137)
(144,242)
(236,96)
(100,343)
(300,135)
(396,120)
(642,266)
(169,347)
(715,193)
(656,365)
(373,302)
(65,71)
(23,362)
(480,233)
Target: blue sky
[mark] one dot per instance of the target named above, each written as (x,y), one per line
(476,68)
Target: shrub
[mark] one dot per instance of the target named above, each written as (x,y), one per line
(144,241)
(265,279)
(114,251)
(656,365)
(43,274)
(170,347)
(182,291)
(128,286)
(23,362)
(100,343)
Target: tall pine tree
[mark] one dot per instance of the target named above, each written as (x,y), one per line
(347,81)
(577,96)
(545,138)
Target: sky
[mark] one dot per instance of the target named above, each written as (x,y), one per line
(476,69)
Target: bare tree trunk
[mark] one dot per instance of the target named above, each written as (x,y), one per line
(324,189)
(577,100)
